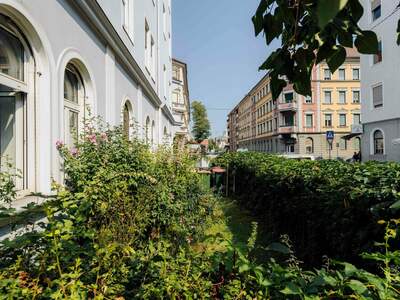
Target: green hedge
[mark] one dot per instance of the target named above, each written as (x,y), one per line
(327,207)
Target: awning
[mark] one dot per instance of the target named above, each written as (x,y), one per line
(217,170)
(350,136)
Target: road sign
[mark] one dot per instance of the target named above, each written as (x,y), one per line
(330,135)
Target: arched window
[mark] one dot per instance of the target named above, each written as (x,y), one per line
(165,133)
(16,64)
(378,142)
(309,145)
(74,103)
(127,119)
(147,130)
(153,127)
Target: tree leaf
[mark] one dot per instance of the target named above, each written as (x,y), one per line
(367,42)
(328,9)
(278,247)
(337,58)
(395,205)
(291,289)
(357,286)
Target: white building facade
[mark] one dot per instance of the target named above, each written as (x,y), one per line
(61,58)
(380,83)
(181,100)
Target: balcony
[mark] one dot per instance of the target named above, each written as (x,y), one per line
(290,106)
(286,129)
(178,106)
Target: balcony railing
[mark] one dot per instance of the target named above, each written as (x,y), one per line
(291,106)
(285,129)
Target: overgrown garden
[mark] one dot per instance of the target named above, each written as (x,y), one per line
(133,224)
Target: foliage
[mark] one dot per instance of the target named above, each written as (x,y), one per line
(120,205)
(326,207)
(201,125)
(310,31)
(130,224)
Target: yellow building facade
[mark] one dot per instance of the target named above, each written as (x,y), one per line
(294,124)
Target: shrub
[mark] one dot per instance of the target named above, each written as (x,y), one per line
(118,203)
(326,207)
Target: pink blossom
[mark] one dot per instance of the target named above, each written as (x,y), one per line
(59,145)
(104,136)
(74,152)
(93,139)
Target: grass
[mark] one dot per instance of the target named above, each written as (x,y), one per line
(230,224)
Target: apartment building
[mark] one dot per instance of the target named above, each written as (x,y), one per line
(232,129)
(380,86)
(181,100)
(61,59)
(298,125)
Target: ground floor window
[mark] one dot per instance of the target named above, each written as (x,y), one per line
(378,142)
(309,145)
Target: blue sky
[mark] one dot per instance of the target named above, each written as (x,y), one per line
(216,40)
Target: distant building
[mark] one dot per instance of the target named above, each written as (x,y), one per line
(181,100)
(295,124)
(380,85)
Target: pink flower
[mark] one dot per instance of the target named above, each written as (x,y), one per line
(59,145)
(74,152)
(93,139)
(104,136)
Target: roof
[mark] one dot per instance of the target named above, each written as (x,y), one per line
(204,143)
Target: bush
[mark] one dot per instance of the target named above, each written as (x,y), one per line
(326,207)
(118,203)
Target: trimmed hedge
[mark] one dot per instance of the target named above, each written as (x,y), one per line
(326,207)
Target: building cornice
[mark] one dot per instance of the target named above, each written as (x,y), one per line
(96,18)
(165,109)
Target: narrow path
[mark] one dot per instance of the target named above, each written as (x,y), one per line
(232,225)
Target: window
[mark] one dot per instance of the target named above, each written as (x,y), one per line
(343,144)
(356,97)
(328,120)
(327,97)
(147,130)
(378,142)
(127,22)
(74,102)
(309,145)
(126,120)
(356,74)
(376,9)
(288,97)
(147,45)
(309,120)
(342,74)
(327,74)
(378,56)
(176,75)
(164,13)
(342,97)
(152,56)
(12,54)
(356,119)
(153,129)
(165,81)
(377,96)
(288,119)
(308,100)
(342,120)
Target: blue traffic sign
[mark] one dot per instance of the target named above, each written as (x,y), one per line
(330,135)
